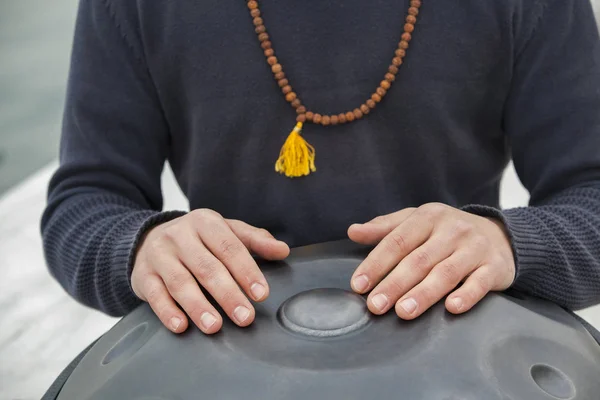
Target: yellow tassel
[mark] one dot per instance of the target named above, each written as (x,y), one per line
(297,157)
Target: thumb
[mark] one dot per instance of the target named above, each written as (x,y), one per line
(375,230)
(259,241)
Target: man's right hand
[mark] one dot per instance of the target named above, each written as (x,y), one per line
(203,247)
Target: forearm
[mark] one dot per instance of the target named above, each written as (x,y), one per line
(89,243)
(114,145)
(556,246)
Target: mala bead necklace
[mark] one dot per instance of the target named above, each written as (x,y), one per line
(297,157)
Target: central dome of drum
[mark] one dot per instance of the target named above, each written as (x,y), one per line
(324,312)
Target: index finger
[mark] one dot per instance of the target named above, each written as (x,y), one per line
(375,230)
(401,241)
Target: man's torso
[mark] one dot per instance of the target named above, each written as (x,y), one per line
(436,136)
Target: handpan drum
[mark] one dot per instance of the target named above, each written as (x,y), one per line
(313,338)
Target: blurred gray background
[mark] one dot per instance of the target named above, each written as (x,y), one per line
(35,39)
(41,328)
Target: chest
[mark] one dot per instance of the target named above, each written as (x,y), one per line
(206,55)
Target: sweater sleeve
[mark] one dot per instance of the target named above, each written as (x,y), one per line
(115,140)
(552,121)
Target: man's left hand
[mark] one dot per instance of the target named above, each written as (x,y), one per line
(424,253)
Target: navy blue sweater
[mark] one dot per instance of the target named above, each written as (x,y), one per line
(186,81)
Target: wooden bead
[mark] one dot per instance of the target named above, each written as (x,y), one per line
(260,29)
(365,109)
(357,113)
(258,21)
(272,60)
(309,115)
(371,104)
(413,11)
(381,91)
(376,98)
(411,19)
(263,36)
(349,116)
(276,68)
(393,69)
(317,118)
(415,3)
(406,37)
(266,44)
(390,77)
(342,118)
(403,44)
(335,120)
(301,110)
(385,84)
(291,96)
(296,103)
(400,53)
(252,5)
(397,61)
(255,13)
(280,76)
(286,89)
(282,83)
(301,118)
(269,53)
(326,120)
(409,28)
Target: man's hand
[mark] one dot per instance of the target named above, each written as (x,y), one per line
(422,255)
(202,247)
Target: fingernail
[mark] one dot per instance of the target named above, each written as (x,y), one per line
(258,291)
(360,283)
(409,305)
(458,303)
(241,314)
(175,323)
(207,320)
(380,301)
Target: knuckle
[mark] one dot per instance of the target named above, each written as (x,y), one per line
(395,286)
(396,242)
(433,209)
(482,283)
(229,249)
(462,228)
(263,232)
(214,284)
(427,293)
(204,213)
(153,294)
(205,268)
(157,245)
(449,273)
(162,311)
(170,233)
(176,281)
(193,309)
(227,298)
(375,265)
(422,261)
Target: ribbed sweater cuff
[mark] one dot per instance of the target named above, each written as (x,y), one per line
(528,246)
(125,251)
